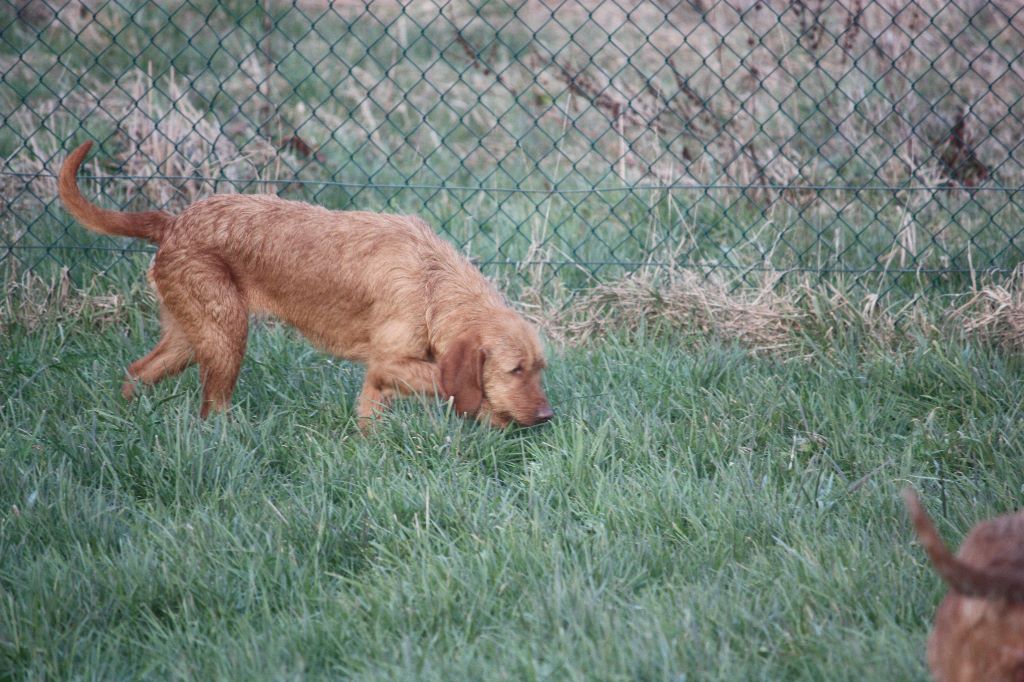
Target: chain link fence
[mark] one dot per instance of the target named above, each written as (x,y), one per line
(559,142)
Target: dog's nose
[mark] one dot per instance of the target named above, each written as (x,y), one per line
(544,414)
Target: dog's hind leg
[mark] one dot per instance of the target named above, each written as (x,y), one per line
(206,303)
(220,350)
(171,355)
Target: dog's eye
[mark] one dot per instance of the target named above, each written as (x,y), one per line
(517,370)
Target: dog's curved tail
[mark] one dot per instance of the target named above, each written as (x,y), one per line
(967,580)
(147,225)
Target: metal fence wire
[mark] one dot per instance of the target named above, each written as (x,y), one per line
(560,142)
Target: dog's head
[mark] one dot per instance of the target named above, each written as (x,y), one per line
(493,373)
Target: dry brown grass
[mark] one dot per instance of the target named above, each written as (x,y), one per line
(995,312)
(763,318)
(165,133)
(788,319)
(171,147)
(27,184)
(30,301)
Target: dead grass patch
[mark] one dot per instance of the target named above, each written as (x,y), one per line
(167,146)
(995,313)
(766,316)
(762,318)
(30,302)
(170,138)
(794,319)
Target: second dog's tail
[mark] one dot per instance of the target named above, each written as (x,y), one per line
(143,225)
(967,580)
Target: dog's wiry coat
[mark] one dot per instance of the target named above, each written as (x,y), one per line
(383,290)
(979,626)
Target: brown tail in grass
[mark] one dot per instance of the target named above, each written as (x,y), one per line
(143,225)
(962,578)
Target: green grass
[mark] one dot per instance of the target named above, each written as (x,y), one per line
(693,513)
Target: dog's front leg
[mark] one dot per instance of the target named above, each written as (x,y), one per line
(390,378)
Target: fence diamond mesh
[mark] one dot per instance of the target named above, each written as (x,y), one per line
(560,142)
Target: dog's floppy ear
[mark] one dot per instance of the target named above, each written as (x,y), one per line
(462,374)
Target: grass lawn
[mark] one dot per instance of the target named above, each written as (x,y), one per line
(694,512)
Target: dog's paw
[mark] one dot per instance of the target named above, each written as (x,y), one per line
(128,389)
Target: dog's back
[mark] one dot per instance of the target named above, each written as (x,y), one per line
(336,275)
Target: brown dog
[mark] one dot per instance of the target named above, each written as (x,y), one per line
(979,627)
(378,289)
